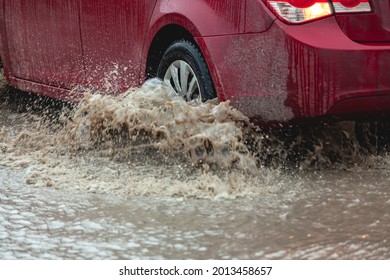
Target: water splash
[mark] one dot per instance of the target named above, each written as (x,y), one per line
(155,118)
(148,141)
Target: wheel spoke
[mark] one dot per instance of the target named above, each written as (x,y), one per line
(184,73)
(192,87)
(175,77)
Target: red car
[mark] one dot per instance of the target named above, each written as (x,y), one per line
(274,59)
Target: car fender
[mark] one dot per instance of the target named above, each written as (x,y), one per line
(201,19)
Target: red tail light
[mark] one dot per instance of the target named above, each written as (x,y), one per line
(298,11)
(302,3)
(349,3)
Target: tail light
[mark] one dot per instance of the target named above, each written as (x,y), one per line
(351,6)
(298,11)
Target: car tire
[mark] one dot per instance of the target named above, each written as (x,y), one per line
(184,69)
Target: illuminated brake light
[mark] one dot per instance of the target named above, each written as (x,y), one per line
(298,11)
(351,6)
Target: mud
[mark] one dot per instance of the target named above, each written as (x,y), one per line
(144,174)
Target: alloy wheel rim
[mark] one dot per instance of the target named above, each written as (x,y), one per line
(182,79)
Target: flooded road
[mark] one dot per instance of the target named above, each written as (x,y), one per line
(118,178)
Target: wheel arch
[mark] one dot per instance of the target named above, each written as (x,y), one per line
(163,33)
(161,41)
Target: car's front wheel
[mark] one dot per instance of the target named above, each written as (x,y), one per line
(184,69)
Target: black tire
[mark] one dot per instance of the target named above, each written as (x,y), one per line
(186,51)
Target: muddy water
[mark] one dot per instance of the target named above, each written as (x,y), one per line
(144,175)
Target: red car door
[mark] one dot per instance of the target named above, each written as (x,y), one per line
(113,34)
(45,45)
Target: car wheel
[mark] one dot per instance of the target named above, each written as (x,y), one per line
(184,69)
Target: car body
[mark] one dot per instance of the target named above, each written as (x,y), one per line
(275,60)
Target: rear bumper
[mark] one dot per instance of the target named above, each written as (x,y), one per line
(305,71)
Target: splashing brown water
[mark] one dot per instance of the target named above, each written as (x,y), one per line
(307,192)
(153,118)
(148,141)
(209,135)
